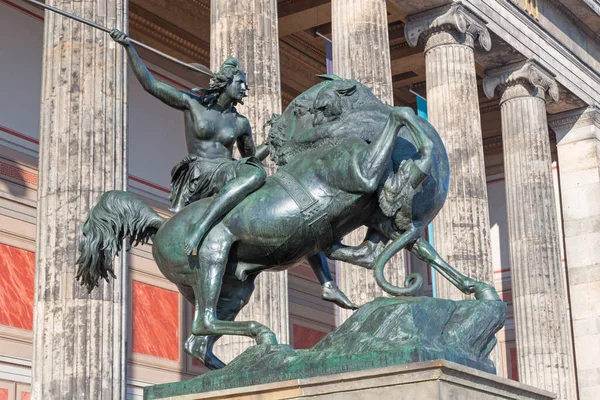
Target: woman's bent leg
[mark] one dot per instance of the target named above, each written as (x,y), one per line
(248,179)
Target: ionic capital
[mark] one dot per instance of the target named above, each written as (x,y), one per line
(455,17)
(527,72)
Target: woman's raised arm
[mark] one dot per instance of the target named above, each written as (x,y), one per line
(165,93)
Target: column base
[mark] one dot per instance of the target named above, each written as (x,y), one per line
(383,333)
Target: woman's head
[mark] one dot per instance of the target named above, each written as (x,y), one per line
(229,79)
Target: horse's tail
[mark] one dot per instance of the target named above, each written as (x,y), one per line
(413,282)
(117,215)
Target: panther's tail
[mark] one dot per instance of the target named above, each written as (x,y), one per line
(117,215)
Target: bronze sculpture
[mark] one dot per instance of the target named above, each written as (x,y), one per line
(346,160)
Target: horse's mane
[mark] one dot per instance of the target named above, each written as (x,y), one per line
(277,139)
(354,96)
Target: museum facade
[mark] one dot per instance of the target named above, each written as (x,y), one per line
(512,86)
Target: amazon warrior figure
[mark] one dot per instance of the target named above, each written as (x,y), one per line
(212,126)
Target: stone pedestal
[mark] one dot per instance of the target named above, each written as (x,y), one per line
(383,333)
(577,137)
(431,380)
(461,229)
(247,30)
(544,352)
(361,51)
(79,337)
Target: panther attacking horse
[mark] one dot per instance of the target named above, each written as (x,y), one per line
(345,160)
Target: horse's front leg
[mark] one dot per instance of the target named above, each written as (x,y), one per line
(425,252)
(329,290)
(363,255)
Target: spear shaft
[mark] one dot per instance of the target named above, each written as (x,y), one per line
(202,69)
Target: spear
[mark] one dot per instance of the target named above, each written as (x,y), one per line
(195,67)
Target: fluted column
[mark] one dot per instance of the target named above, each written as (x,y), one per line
(361,44)
(544,352)
(79,338)
(462,228)
(577,144)
(361,51)
(247,30)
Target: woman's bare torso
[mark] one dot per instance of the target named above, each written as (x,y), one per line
(210,133)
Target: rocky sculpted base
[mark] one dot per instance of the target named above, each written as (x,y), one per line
(382,333)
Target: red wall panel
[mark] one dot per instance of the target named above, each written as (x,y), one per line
(17,272)
(155,321)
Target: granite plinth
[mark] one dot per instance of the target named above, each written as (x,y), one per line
(431,380)
(385,332)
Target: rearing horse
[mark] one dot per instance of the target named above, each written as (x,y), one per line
(306,207)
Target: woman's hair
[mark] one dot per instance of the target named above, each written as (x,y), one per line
(219,83)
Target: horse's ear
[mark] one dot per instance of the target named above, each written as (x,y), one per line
(347,91)
(329,77)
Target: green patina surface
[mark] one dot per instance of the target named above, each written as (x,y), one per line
(382,333)
(345,160)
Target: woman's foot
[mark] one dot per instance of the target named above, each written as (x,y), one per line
(330,292)
(194,238)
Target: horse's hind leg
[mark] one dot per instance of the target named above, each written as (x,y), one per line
(209,278)
(231,301)
(200,347)
(425,252)
(235,294)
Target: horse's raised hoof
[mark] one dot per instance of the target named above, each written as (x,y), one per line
(195,346)
(266,338)
(330,292)
(483,291)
